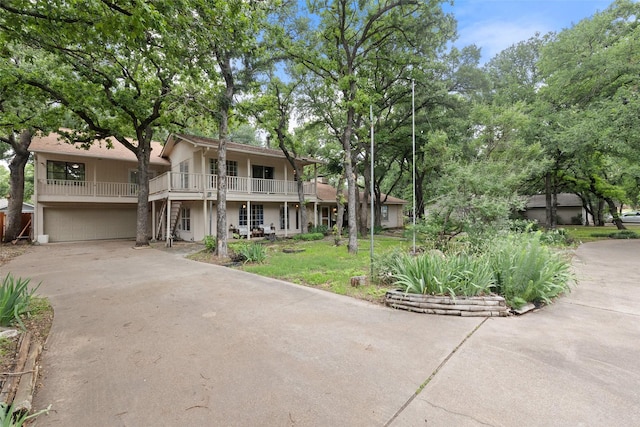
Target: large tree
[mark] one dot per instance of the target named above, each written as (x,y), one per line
(24,111)
(228,50)
(340,48)
(592,75)
(116,67)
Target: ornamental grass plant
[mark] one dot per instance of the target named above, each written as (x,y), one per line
(433,274)
(15,297)
(526,270)
(518,266)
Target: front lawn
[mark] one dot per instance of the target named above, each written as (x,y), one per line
(584,234)
(323,265)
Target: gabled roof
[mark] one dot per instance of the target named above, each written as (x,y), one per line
(327,193)
(55,144)
(26,207)
(564,200)
(210,143)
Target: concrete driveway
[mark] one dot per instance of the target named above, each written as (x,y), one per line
(148,338)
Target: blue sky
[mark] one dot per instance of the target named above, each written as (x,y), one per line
(494,25)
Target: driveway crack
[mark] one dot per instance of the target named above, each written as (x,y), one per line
(433,374)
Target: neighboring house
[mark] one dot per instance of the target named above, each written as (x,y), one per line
(92,194)
(392,208)
(569,210)
(27,218)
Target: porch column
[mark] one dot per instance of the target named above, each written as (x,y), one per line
(204,216)
(153,220)
(315,214)
(249,220)
(286,219)
(167,230)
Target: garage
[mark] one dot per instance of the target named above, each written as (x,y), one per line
(89,223)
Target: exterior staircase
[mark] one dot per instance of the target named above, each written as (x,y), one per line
(174,218)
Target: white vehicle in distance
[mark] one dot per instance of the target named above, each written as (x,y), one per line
(630,217)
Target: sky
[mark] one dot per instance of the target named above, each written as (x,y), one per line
(494,25)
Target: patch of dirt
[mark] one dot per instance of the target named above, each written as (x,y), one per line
(38,321)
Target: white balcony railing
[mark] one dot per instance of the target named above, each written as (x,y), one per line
(170,181)
(60,187)
(191,182)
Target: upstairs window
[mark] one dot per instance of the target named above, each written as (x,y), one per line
(232,167)
(65,171)
(263,172)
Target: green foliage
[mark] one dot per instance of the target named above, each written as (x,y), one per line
(308,236)
(433,274)
(518,266)
(323,229)
(210,243)
(15,297)
(622,234)
(557,237)
(252,252)
(4,181)
(11,418)
(526,270)
(383,266)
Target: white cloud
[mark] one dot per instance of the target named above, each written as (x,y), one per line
(493,36)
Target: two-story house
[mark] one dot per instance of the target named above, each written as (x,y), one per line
(92,194)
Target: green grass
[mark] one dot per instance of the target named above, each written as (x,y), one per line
(323,265)
(584,234)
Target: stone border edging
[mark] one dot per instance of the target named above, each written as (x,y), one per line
(483,306)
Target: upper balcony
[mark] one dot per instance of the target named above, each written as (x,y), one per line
(55,190)
(193,185)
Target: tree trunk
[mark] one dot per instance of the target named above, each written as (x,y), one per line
(223,130)
(340,211)
(547,200)
(351,183)
(614,211)
(16,183)
(143,154)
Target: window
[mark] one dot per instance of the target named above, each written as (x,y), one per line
(282,217)
(184,174)
(384,212)
(257,216)
(232,167)
(185,219)
(65,171)
(263,172)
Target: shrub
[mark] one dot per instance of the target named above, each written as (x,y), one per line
(383,266)
(309,236)
(14,299)
(622,234)
(526,270)
(322,229)
(558,236)
(431,273)
(252,252)
(210,243)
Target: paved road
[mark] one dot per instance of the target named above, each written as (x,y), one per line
(148,338)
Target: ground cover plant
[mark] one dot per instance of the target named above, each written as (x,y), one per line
(321,264)
(584,234)
(15,297)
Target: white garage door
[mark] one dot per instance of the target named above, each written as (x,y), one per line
(69,224)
